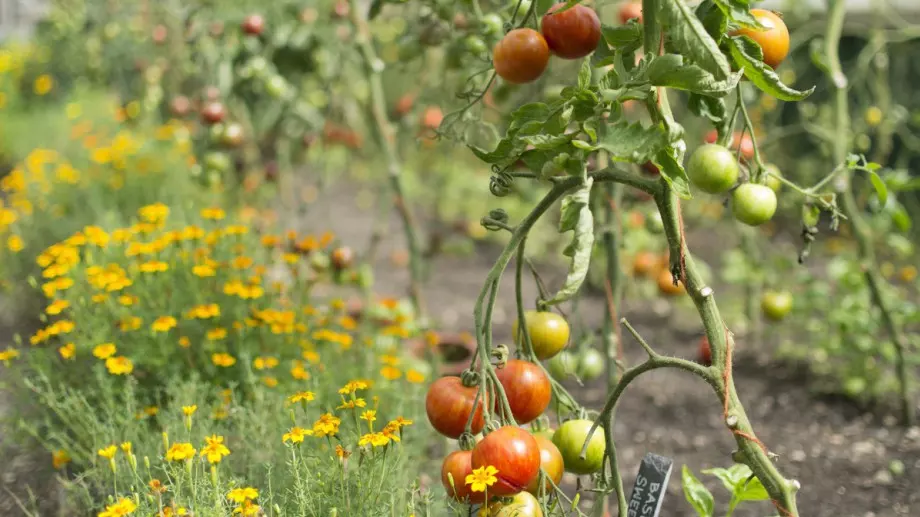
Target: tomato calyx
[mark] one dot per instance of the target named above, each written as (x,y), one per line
(470,378)
(466,441)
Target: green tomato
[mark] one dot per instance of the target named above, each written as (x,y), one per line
(549,332)
(590,364)
(562,365)
(776,304)
(771,181)
(713,169)
(570,438)
(754,204)
(492,23)
(216,161)
(276,87)
(476,46)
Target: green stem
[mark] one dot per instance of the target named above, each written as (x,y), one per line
(613,343)
(861,229)
(394,168)
(756,176)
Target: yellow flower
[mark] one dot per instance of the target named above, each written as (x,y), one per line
(299,372)
(126,447)
(239,495)
(342,452)
(481,478)
(213,213)
(391,432)
(270,381)
(203,312)
(163,324)
(59,458)
(264,363)
(108,452)
(189,410)
(415,376)
(353,386)
(400,422)
(217,333)
(104,351)
(296,435)
(127,300)
(222,359)
(390,373)
(120,365)
(247,509)
(43,84)
(180,452)
(124,506)
(204,270)
(184,342)
(68,351)
(214,449)
(156,486)
(8,354)
(301,396)
(130,323)
(155,213)
(154,266)
(327,425)
(373,439)
(370,415)
(15,243)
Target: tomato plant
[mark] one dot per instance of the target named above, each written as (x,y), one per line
(516,455)
(527,388)
(449,405)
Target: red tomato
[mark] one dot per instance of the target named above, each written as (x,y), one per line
(404,104)
(527,387)
(773,39)
(551,462)
(432,117)
(573,33)
(630,10)
(521,56)
(705,356)
(449,404)
(212,113)
(253,24)
(457,466)
(516,455)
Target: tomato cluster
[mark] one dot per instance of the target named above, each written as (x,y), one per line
(523,54)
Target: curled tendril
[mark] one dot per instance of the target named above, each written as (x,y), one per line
(499,215)
(469,378)
(500,182)
(490,426)
(467,441)
(501,353)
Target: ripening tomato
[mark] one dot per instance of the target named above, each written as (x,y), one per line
(516,455)
(432,117)
(212,93)
(629,10)
(705,352)
(590,364)
(551,463)
(666,283)
(232,135)
(527,387)
(213,113)
(454,470)
(776,304)
(521,56)
(521,505)
(404,104)
(341,9)
(549,333)
(159,34)
(573,33)
(645,263)
(449,404)
(342,257)
(253,24)
(180,106)
(571,436)
(713,169)
(753,204)
(773,39)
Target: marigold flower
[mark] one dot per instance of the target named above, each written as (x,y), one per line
(264,363)
(390,373)
(217,333)
(104,351)
(59,458)
(327,425)
(108,452)
(15,243)
(154,266)
(189,410)
(415,376)
(296,435)
(400,422)
(125,506)
(56,307)
(9,354)
(203,270)
(180,452)
(214,450)
(222,359)
(370,415)
(239,495)
(163,324)
(156,486)
(213,213)
(301,396)
(373,439)
(270,381)
(184,342)
(119,365)
(247,509)
(342,452)
(481,478)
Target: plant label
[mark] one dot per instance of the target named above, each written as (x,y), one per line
(648,492)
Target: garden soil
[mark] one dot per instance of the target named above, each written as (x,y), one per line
(839,453)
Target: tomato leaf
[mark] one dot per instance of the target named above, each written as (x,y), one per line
(714,19)
(632,142)
(622,35)
(749,56)
(707,107)
(670,71)
(688,34)
(881,190)
(901,218)
(544,142)
(752,490)
(584,75)
(576,217)
(738,11)
(697,495)
(673,172)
